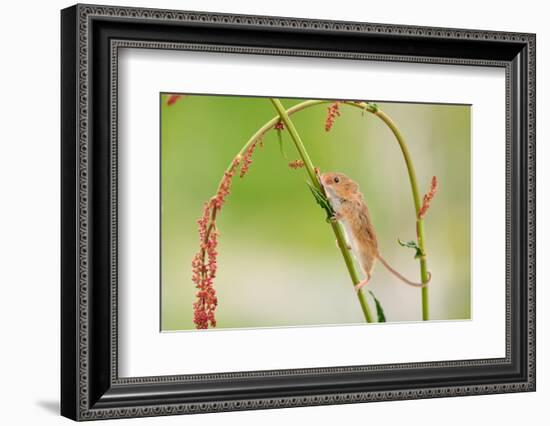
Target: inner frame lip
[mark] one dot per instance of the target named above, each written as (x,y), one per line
(520,57)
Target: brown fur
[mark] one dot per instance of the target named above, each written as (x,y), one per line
(351,209)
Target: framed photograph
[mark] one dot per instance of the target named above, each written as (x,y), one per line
(263,212)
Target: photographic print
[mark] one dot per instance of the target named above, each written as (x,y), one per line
(367,185)
(304,212)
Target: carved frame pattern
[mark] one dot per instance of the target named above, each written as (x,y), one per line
(85,408)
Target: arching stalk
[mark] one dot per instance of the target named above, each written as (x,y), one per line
(337,229)
(283,115)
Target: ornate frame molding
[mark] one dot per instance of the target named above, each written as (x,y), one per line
(88,402)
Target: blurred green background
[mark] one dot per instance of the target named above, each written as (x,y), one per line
(278,262)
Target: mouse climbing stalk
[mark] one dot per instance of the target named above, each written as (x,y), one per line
(352,211)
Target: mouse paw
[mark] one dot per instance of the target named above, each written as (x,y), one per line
(335,217)
(361,284)
(346,245)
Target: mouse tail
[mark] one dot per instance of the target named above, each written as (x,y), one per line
(401,277)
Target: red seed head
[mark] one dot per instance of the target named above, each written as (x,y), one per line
(172,99)
(204,264)
(333,111)
(428,198)
(296,164)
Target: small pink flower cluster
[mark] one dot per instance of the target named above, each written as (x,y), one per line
(204,271)
(279,126)
(428,198)
(247,157)
(333,111)
(296,164)
(223,190)
(172,99)
(204,262)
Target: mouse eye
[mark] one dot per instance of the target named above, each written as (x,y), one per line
(336,179)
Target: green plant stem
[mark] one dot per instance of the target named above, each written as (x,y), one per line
(365,106)
(417,205)
(315,181)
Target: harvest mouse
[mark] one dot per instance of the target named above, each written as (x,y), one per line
(351,210)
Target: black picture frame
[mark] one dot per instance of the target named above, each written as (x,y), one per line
(90,386)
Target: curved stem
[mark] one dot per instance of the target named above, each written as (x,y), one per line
(315,181)
(417,205)
(365,106)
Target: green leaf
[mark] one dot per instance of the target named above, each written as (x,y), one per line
(373,106)
(379,309)
(321,200)
(412,244)
(281,146)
